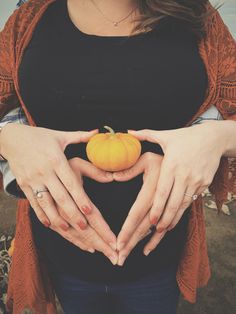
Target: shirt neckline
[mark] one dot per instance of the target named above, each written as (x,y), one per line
(86,35)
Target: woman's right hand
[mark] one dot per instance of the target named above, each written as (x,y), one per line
(37,160)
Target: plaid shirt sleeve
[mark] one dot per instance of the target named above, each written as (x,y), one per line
(16,115)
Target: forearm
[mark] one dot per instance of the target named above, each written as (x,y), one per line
(229,135)
(226,135)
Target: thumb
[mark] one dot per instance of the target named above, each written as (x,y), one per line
(89,170)
(74,137)
(128,174)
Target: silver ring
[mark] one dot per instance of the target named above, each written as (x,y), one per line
(38,193)
(194,196)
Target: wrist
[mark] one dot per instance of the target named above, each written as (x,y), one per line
(3,127)
(225,131)
(228,129)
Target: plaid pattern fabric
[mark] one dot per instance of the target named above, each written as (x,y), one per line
(16,115)
(20,3)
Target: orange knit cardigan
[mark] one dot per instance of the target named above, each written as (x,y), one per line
(29,283)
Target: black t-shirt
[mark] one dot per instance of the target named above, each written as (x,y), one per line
(71,81)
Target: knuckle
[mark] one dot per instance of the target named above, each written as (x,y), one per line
(87,237)
(70,184)
(21,182)
(61,199)
(54,159)
(149,156)
(206,181)
(44,202)
(80,199)
(163,193)
(39,172)
(62,213)
(172,208)
(185,204)
(197,180)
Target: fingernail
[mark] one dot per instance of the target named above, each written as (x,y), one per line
(159,230)
(121,260)
(113,246)
(91,250)
(64,227)
(46,223)
(82,225)
(147,252)
(113,259)
(120,245)
(86,209)
(154,221)
(109,175)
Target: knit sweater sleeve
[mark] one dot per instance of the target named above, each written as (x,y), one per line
(8,96)
(226,103)
(227,71)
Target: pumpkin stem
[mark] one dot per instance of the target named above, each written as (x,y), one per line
(109,129)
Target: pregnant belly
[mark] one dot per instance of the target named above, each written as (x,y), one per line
(114,201)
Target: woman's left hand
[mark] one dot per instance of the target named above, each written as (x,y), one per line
(191,158)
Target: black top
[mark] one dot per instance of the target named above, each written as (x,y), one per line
(70,81)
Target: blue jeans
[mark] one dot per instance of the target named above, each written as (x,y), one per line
(153,294)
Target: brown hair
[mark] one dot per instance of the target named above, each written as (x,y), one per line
(192,12)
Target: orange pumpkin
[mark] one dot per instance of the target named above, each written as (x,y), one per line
(112,151)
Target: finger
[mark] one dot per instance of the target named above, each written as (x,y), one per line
(164,186)
(176,219)
(173,204)
(138,210)
(132,172)
(89,170)
(94,217)
(49,207)
(72,183)
(141,232)
(146,135)
(69,211)
(42,217)
(201,189)
(92,239)
(72,236)
(154,241)
(74,137)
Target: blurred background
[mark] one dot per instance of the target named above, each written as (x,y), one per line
(219,297)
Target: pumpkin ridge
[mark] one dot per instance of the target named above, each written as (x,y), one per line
(134,142)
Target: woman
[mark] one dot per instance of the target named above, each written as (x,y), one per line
(81,58)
